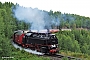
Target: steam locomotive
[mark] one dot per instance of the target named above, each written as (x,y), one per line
(44,42)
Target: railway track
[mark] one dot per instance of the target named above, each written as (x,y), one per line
(60,57)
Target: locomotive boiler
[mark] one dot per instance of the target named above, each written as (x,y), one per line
(44,42)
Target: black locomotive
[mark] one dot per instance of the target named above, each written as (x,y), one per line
(42,42)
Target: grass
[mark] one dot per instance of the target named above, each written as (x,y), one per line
(74,54)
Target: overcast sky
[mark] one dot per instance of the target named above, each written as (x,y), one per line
(80,7)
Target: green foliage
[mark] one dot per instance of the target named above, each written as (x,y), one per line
(75,41)
(65,58)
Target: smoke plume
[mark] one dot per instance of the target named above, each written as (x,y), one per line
(37,18)
(27,50)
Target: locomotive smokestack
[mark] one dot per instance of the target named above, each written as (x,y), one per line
(48,31)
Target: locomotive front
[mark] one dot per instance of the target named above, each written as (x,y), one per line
(53,44)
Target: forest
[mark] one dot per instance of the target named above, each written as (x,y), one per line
(76,41)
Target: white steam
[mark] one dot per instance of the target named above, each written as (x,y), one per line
(37,18)
(27,50)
